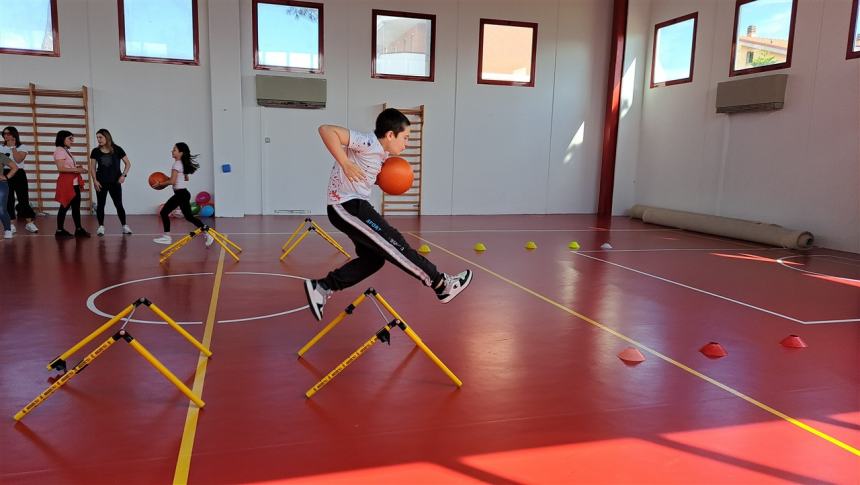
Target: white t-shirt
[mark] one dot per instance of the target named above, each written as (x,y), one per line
(8,152)
(365,150)
(181,183)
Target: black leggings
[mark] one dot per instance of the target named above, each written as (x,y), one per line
(182,199)
(75,204)
(115,191)
(19,188)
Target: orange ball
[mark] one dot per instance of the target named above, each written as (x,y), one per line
(395,177)
(157,178)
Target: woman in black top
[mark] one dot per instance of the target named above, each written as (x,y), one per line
(108,178)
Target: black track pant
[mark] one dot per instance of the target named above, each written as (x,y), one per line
(181,198)
(115,191)
(375,242)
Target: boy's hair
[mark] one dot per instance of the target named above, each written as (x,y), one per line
(390,120)
(61,137)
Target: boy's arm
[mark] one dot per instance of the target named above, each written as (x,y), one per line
(335,138)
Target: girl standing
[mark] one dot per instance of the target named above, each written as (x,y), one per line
(184,164)
(69,185)
(4,192)
(108,178)
(18,186)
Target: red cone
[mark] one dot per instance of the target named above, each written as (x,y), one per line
(631,355)
(794,342)
(713,350)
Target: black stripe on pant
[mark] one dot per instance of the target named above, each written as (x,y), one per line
(181,198)
(375,242)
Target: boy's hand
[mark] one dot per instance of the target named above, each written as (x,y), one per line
(352,171)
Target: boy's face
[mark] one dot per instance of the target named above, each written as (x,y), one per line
(394,144)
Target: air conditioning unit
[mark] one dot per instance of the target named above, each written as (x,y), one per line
(762,93)
(291,92)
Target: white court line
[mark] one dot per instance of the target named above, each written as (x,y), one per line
(91,300)
(693,288)
(802,322)
(231,233)
(674,249)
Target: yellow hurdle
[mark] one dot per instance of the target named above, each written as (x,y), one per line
(383,335)
(59,363)
(124,335)
(218,237)
(309,226)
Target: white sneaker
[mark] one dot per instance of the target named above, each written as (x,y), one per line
(31,227)
(7,234)
(453,286)
(100,231)
(165,239)
(14,229)
(317,297)
(126,229)
(209,240)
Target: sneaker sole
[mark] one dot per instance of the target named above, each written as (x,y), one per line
(311,305)
(465,285)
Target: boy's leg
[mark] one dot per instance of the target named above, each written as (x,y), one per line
(367,261)
(360,221)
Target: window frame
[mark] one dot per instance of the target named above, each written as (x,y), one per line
(773,67)
(123,56)
(677,20)
(373,54)
(853,32)
(509,23)
(55,28)
(256,42)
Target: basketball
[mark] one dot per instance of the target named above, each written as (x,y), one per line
(157,178)
(395,177)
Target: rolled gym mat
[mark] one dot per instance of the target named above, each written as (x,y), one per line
(760,232)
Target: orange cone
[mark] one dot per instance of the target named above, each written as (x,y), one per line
(793,342)
(713,350)
(631,355)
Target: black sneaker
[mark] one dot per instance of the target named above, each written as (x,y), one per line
(317,297)
(453,285)
(81,232)
(63,234)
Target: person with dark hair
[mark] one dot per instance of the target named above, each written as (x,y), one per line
(69,184)
(5,161)
(184,164)
(19,187)
(107,177)
(359,158)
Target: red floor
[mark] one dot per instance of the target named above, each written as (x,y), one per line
(544,400)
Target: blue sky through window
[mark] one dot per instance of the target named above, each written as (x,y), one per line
(26,24)
(673,51)
(159,29)
(771,18)
(288,36)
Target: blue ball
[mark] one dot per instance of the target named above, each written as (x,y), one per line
(207,211)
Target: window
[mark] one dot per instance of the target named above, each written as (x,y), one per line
(506,53)
(162,31)
(854,32)
(288,36)
(404,46)
(674,50)
(29,28)
(764,32)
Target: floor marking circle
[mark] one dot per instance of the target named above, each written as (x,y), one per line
(91,300)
